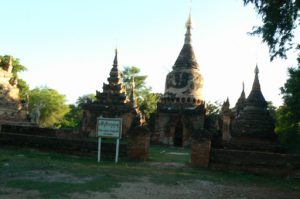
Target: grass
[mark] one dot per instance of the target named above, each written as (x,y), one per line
(56,175)
(169,154)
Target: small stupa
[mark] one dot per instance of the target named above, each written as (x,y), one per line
(112,102)
(253,126)
(240,104)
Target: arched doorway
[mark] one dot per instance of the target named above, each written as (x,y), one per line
(178,135)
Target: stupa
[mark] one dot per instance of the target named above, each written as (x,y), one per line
(181,109)
(112,102)
(253,126)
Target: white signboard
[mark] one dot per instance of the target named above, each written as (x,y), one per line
(109,127)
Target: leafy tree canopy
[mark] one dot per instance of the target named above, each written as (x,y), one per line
(212,113)
(291,94)
(272,109)
(52,104)
(149,104)
(288,115)
(130,74)
(280,19)
(85,98)
(73,118)
(146,100)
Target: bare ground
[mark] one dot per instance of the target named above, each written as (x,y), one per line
(145,189)
(187,190)
(192,190)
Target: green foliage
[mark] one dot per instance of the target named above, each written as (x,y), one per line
(288,115)
(288,132)
(212,114)
(73,118)
(146,100)
(85,98)
(130,72)
(291,93)
(272,109)
(53,106)
(24,89)
(149,104)
(279,20)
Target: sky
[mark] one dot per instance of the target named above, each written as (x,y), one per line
(68,45)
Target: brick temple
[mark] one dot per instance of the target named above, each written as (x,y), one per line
(112,102)
(249,124)
(181,109)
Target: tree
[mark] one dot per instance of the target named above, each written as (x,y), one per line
(288,132)
(52,105)
(130,74)
(291,94)
(85,98)
(17,68)
(279,21)
(288,115)
(146,100)
(149,104)
(212,114)
(73,118)
(272,109)
(24,89)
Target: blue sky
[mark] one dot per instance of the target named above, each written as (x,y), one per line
(69,45)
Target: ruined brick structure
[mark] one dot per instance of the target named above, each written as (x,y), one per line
(112,102)
(249,124)
(226,117)
(10,106)
(181,109)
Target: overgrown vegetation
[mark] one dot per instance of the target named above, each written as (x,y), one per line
(146,99)
(74,117)
(51,105)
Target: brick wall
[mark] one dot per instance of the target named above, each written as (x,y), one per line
(200,152)
(139,143)
(59,140)
(255,162)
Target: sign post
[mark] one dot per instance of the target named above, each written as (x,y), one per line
(109,128)
(117,150)
(99,149)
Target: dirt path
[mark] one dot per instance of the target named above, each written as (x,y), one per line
(145,189)
(193,190)
(188,190)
